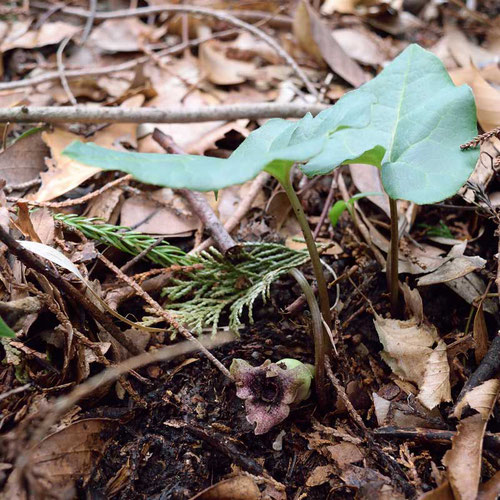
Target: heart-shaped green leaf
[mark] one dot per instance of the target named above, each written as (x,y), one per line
(418,122)
(277,142)
(409,121)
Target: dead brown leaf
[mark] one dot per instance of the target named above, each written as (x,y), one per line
(480,334)
(408,350)
(24,160)
(64,173)
(491,489)
(124,35)
(362,45)
(481,398)
(320,475)
(487,97)
(19,36)
(219,68)
(316,39)
(235,488)
(453,269)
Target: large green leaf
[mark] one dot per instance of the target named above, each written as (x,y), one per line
(418,122)
(277,142)
(409,121)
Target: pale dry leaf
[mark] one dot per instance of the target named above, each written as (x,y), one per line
(410,353)
(316,39)
(361,45)
(44,225)
(463,460)
(65,174)
(178,87)
(486,96)
(50,33)
(239,487)
(366,178)
(342,6)
(123,35)
(382,407)
(320,475)
(413,302)
(162,212)
(453,269)
(220,69)
(345,453)
(469,288)
(436,387)
(463,50)
(24,160)
(481,398)
(442,492)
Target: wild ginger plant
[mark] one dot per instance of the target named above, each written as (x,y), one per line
(409,122)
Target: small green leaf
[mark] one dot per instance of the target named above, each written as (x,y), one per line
(339,206)
(5,330)
(419,119)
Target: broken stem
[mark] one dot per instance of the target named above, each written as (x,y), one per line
(319,341)
(392,268)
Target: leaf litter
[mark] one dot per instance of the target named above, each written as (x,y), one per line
(397,374)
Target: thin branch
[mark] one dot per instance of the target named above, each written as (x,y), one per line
(167,316)
(60,70)
(327,204)
(90,21)
(243,207)
(197,201)
(90,114)
(216,14)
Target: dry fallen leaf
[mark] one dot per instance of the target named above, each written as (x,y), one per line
(481,398)
(320,475)
(316,39)
(480,334)
(50,33)
(487,97)
(453,269)
(220,69)
(123,35)
(362,45)
(24,160)
(409,351)
(235,488)
(64,173)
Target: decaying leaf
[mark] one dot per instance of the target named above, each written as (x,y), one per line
(320,475)
(480,334)
(235,488)
(219,68)
(480,398)
(486,96)
(452,270)
(410,350)
(316,39)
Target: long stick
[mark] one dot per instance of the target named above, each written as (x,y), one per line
(84,114)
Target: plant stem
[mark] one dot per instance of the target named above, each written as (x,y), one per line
(319,341)
(324,301)
(392,268)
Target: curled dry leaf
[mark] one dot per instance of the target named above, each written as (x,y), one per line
(487,97)
(18,36)
(316,39)
(481,398)
(452,270)
(235,488)
(409,351)
(220,69)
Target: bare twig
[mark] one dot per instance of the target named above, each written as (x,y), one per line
(243,207)
(16,390)
(216,14)
(60,69)
(141,255)
(84,114)
(90,20)
(197,201)
(167,316)
(76,201)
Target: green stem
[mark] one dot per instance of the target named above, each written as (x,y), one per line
(319,341)
(324,300)
(392,268)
